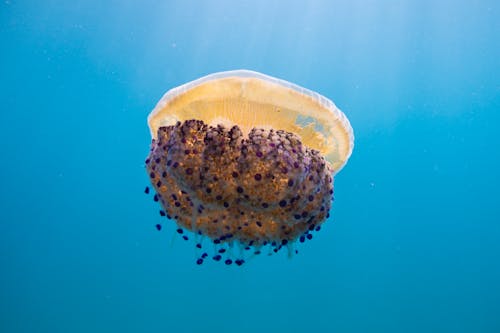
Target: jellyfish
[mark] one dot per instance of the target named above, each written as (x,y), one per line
(243,158)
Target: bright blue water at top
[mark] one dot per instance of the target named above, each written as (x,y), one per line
(413,242)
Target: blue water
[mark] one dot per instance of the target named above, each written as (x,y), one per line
(413,244)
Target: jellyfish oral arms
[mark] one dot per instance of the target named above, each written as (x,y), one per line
(240,157)
(267,187)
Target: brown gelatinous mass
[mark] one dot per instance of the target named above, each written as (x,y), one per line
(260,188)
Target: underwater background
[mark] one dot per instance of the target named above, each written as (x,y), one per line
(413,241)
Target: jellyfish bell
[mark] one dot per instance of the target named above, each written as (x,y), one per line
(249,100)
(242,157)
